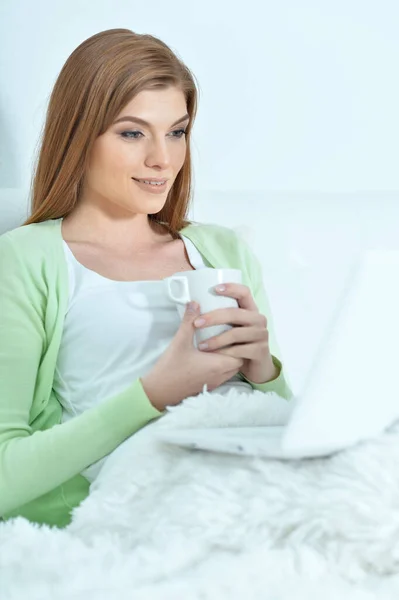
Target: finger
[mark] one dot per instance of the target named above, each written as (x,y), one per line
(235,365)
(249,351)
(240,292)
(232,372)
(233,316)
(228,363)
(236,335)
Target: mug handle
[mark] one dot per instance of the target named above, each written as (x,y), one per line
(186,294)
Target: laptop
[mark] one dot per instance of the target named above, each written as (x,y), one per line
(350,394)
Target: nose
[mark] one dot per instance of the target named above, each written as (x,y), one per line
(158,155)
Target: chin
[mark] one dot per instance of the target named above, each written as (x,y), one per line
(155,211)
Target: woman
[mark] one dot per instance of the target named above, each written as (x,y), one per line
(91,350)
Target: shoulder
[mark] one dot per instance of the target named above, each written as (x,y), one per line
(31,254)
(224,246)
(227,239)
(28,239)
(212,232)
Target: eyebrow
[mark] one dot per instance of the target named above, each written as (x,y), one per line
(145,123)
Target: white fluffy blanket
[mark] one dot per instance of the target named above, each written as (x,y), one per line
(163,522)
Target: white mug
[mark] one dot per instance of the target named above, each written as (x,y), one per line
(198,286)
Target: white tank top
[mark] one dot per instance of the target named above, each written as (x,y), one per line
(114,332)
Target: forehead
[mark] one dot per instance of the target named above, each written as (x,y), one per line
(156,105)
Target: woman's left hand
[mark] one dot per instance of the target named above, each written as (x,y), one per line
(250,340)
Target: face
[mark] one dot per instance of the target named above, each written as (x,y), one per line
(146,141)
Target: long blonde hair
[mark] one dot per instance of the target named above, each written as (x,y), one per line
(96,82)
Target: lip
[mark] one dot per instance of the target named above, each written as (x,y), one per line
(152,189)
(150,179)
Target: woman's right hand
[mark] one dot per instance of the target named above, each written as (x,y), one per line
(182,370)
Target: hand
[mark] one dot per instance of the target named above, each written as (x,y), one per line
(248,341)
(183,370)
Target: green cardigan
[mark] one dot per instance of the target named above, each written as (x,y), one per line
(40,458)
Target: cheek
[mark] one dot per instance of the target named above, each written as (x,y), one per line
(119,158)
(113,157)
(180,155)
(108,173)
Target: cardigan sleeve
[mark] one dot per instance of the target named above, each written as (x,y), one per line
(280,384)
(33,463)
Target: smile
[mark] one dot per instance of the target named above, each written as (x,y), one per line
(154,187)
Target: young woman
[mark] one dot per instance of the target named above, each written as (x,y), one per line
(91,348)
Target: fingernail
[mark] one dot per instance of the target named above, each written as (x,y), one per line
(199,322)
(191,307)
(202,345)
(220,288)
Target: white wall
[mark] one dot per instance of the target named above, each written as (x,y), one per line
(294,95)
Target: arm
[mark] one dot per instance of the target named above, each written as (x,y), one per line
(34,462)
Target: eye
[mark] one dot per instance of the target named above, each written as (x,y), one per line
(181,132)
(134,135)
(126,134)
